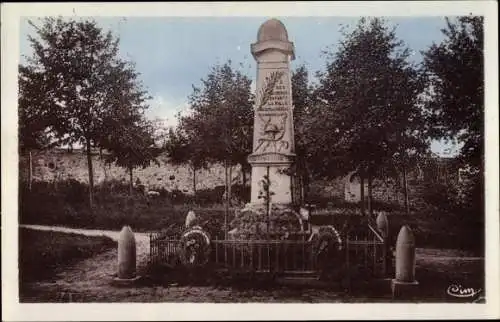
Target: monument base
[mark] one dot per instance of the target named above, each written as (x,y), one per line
(123,282)
(253,222)
(404,290)
(277,169)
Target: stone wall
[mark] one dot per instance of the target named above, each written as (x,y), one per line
(349,190)
(389,190)
(59,165)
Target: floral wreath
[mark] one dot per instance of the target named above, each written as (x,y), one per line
(327,244)
(195,247)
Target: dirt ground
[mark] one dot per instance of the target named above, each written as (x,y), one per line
(91,281)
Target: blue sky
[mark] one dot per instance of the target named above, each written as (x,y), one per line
(174,53)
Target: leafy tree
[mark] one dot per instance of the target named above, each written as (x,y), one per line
(185,147)
(455,73)
(219,127)
(76,69)
(455,104)
(34,122)
(131,144)
(369,105)
(302,99)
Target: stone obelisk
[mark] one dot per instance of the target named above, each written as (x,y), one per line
(273,138)
(271,215)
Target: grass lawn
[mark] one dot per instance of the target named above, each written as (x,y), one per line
(112,210)
(42,254)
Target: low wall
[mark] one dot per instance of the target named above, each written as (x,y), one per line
(58,165)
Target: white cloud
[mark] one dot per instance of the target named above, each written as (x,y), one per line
(162,107)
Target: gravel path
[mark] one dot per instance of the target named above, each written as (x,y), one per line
(89,279)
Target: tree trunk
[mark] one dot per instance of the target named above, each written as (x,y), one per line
(405,181)
(105,172)
(405,191)
(302,190)
(103,163)
(30,171)
(131,183)
(226,212)
(194,184)
(229,188)
(362,192)
(370,196)
(91,175)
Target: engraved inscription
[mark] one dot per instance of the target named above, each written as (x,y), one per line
(268,157)
(275,93)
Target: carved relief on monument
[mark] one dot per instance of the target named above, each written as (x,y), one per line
(271,133)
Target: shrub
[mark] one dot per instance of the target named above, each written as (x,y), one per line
(112,186)
(241,193)
(210,196)
(470,194)
(50,205)
(74,191)
(322,201)
(439,196)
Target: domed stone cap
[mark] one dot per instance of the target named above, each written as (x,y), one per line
(272,29)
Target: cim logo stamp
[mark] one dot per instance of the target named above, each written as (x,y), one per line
(457,290)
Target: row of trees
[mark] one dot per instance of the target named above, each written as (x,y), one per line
(219,127)
(380,111)
(75,89)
